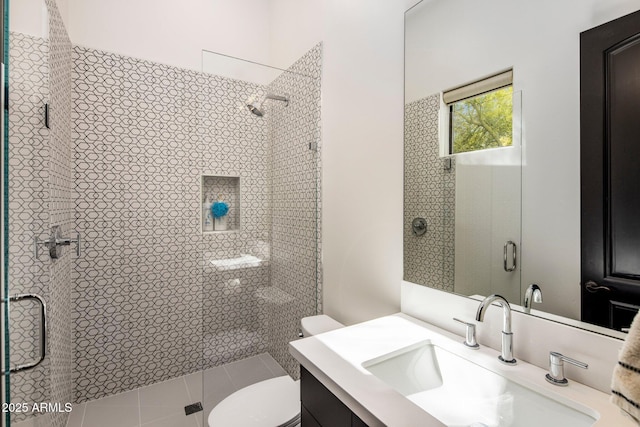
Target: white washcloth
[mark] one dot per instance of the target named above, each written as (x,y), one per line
(625,385)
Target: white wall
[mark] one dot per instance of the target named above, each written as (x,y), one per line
(540,40)
(29,17)
(362,124)
(362,128)
(295,26)
(172,32)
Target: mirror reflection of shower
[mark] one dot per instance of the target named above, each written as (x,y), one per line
(256,107)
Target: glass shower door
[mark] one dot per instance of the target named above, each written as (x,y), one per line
(261,159)
(37,217)
(5,419)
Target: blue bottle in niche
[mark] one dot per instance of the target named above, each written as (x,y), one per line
(220,210)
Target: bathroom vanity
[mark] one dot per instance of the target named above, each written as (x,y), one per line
(322,408)
(400,371)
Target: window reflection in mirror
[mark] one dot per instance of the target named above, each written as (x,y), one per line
(481,122)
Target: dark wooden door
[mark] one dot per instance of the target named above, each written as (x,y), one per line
(610,171)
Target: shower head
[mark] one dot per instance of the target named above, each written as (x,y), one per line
(257,108)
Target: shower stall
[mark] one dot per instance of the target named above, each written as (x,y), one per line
(117,273)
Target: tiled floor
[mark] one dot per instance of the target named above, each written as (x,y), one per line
(162,404)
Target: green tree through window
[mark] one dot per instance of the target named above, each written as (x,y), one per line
(483,121)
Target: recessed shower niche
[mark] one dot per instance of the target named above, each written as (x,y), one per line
(220,189)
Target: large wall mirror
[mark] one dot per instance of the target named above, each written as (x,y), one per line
(505,217)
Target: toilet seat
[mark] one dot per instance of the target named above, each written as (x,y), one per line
(270,403)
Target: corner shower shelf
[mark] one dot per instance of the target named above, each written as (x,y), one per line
(274,295)
(243,261)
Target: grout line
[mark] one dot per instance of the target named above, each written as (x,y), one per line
(180,412)
(273,374)
(84,413)
(94,402)
(184,379)
(152,422)
(139,408)
(235,387)
(193,400)
(160,382)
(203,417)
(282,372)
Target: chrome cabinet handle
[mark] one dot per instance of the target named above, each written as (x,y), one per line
(470,338)
(556,368)
(514,258)
(54,241)
(43,330)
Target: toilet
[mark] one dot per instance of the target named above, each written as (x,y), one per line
(270,403)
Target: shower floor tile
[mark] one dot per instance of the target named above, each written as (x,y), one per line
(162,404)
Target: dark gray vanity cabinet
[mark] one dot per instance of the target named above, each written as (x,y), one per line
(321,408)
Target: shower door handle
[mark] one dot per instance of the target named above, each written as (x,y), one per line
(43,330)
(514,258)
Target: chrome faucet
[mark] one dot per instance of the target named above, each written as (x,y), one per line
(556,368)
(506,355)
(532,294)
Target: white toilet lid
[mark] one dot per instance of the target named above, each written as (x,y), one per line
(268,403)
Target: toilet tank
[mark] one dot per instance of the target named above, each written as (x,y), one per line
(314,325)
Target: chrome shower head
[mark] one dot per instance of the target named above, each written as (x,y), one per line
(256,108)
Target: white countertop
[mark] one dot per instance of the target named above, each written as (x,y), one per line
(336,358)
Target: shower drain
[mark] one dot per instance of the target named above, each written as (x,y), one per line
(193,408)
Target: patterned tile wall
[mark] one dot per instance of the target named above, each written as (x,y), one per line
(137,310)
(148,304)
(41,196)
(429,192)
(294,133)
(61,209)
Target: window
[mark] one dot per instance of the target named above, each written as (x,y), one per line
(481,114)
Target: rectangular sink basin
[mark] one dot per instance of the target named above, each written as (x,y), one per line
(410,370)
(459,392)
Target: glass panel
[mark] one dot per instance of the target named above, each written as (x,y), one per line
(260,277)
(5,387)
(28,180)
